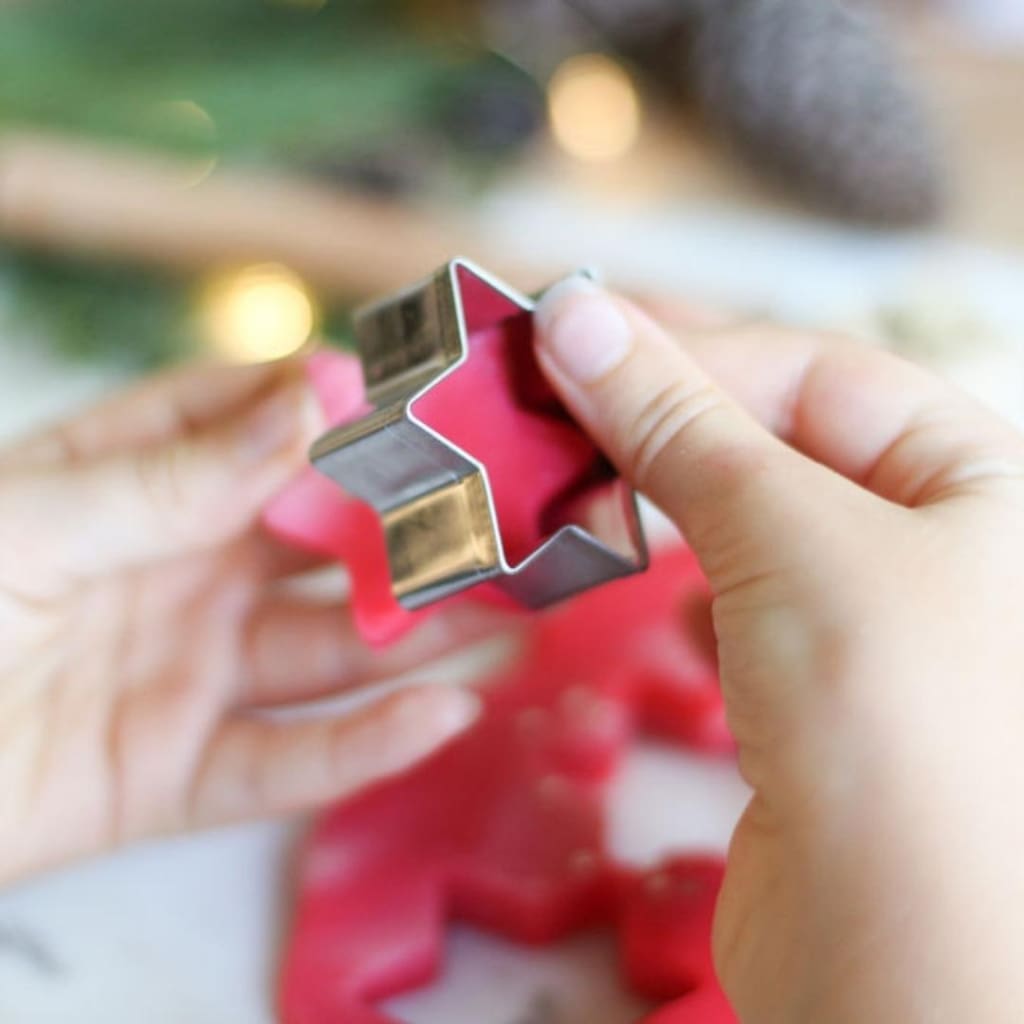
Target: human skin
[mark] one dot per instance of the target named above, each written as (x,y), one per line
(861,525)
(144,632)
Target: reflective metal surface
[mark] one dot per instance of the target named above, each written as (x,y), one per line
(434,499)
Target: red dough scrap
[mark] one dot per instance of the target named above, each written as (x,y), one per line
(505,828)
(313,513)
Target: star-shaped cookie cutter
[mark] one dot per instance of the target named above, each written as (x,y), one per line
(434,499)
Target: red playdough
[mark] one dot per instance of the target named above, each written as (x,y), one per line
(315,514)
(505,828)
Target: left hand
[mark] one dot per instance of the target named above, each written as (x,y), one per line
(140,629)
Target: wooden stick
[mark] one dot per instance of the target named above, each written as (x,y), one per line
(77,197)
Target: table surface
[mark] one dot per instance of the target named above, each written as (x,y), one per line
(190,929)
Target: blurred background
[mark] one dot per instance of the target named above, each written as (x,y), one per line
(227,178)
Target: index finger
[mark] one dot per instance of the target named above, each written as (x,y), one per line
(892,427)
(154,411)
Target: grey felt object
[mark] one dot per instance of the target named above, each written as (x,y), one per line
(809,94)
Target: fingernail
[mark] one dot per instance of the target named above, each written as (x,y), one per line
(288,419)
(441,712)
(459,712)
(425,720)
(581,330)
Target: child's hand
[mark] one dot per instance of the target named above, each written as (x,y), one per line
(867,570)
(139,628)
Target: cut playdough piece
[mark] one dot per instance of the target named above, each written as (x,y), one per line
(506,827)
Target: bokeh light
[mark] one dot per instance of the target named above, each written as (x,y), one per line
(187,122)
(594,108)
(260,312)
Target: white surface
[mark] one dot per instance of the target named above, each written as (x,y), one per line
(188,930)
(183,931)
(997,22)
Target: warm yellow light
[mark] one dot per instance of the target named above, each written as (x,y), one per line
(594,109)
(257,313)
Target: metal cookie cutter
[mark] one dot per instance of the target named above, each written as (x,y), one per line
(434,499)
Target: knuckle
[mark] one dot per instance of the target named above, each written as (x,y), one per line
(256,780)
(64,446)
(164,481)
(664,422)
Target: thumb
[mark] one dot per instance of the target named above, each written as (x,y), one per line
(168,499)
(727,483)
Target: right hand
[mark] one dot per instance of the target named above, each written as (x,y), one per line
(866,562)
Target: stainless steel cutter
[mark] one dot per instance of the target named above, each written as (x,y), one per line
(434,499)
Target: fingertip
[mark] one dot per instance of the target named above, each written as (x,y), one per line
(438,712)
(581,330)
(411,725)
(312,421)
(284,423)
